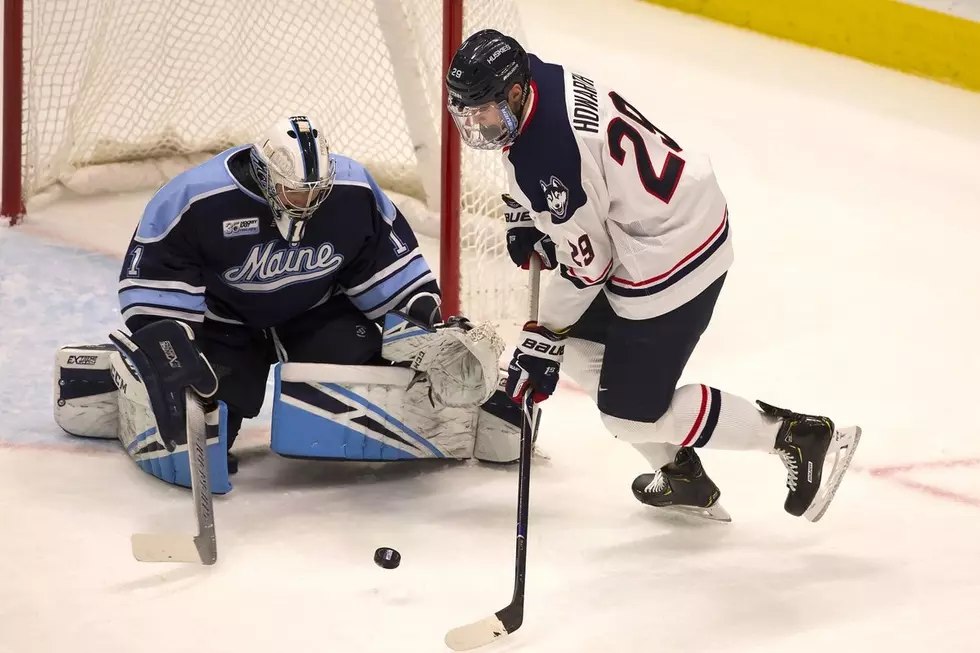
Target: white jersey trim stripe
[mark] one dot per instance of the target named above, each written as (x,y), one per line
(162,312)
(386,272)
(161,285)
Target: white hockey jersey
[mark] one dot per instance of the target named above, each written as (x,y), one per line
(630,211)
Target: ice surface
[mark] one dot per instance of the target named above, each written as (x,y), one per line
(855,199)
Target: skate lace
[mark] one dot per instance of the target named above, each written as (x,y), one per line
(658,484)
(793,472)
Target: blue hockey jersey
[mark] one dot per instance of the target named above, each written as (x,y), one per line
(207,247)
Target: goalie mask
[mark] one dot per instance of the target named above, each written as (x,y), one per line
(483,71)
(291,163)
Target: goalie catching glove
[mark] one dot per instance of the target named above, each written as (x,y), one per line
(458,359)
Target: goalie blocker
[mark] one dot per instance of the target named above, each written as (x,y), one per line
(365,413)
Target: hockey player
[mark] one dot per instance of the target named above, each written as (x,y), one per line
(283,251)
(637,228)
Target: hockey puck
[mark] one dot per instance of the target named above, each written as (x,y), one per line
(387,558)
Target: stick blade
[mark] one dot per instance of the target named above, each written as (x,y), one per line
(177,547)
(477,634)
(165,547)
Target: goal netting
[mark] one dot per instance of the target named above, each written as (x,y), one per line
(121,94)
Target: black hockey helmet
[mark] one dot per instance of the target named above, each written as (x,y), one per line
(485,67)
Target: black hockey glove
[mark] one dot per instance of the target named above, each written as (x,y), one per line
(524,239)
(167,360)
(535,364)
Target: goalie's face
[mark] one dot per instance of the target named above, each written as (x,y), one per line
(293,168)
(303,200)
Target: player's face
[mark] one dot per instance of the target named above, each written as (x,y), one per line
(487,126)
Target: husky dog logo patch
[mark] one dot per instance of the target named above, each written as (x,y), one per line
(556,194)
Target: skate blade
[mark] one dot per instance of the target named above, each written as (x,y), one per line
(711,513)
(844,446)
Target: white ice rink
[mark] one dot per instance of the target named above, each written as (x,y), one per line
(855,202)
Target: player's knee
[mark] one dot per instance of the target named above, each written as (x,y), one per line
(634,418)
(638,406)
(634,431)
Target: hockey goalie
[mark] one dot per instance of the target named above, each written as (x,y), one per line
(281,253)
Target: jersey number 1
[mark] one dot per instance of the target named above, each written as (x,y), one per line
(661,186)
(134,263)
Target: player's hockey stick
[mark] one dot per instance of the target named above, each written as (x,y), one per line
(178,547)
(509,618)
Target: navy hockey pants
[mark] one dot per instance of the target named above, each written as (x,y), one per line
(644,359)
(335,332)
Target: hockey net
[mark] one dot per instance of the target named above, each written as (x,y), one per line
(123,95)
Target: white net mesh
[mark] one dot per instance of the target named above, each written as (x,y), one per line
(160,85)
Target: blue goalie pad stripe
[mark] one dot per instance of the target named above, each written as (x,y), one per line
(148,452)
(326,420)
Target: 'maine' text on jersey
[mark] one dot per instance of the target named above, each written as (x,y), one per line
(267,268)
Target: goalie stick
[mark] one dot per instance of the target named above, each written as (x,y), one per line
(177,547)
(510,617)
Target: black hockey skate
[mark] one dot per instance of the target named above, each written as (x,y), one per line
(805,443)
(681,486)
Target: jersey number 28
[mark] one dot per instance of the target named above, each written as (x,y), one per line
(661,186)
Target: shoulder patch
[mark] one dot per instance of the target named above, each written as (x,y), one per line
(556,195)
(241,227)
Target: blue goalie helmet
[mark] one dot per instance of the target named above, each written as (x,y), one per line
(480,82)
(292,165)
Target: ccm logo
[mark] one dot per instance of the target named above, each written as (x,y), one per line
(543,347)
(117,379)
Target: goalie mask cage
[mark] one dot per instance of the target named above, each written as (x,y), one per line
(117,95)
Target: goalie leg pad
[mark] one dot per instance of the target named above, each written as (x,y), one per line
(139,434)
(166,360)
(85,402)
(367,413)
(498,434)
